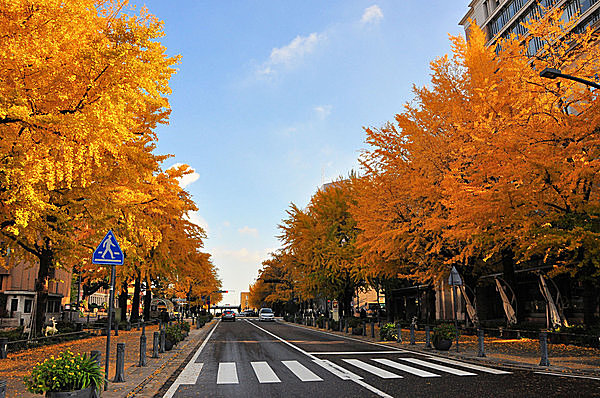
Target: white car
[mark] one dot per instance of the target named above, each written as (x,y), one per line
(266,314)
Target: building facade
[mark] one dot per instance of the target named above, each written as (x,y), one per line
(503,18)
(245,300)
(17,293)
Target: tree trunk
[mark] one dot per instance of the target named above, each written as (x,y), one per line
(590,302)
(135,303)
(123,302)
(147,300)
(45,271)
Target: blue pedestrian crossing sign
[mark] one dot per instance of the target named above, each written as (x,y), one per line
(108,251)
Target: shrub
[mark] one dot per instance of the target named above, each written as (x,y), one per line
(67,372)
(174,333)
(389,332)
(444,331)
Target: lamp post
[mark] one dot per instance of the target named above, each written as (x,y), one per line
(551,73)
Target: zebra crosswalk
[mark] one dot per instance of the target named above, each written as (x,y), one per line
(264,372)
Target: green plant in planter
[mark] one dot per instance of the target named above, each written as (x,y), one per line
(388,332)
(67,372)
(174,334)
(444,331)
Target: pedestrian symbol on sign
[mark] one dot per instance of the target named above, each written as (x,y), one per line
(108,251)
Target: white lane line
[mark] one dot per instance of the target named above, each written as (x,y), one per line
(336,369)
(436,366)
(384,374)
(227,373)
(353,352)
(317,361)
(191,369)
(470,366)
(567,375)
(264,373)
(301,371)
(405,368)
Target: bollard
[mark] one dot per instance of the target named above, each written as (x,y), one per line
(427,337)
(412,334)
(364,331)
(142,349)
(399,337)
(116,328)
(163,336)
(372,328)
(481,352)
(544,349)
(120,367)
(155,344)
(3,343)
(346,325)
(2,389)
(95,355)
(341,325)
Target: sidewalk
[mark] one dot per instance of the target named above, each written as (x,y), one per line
(515,353)
(139,381)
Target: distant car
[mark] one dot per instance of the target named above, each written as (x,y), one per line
(266,314)
(248,313)
(228,315)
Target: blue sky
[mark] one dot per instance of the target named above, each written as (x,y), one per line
(271,98)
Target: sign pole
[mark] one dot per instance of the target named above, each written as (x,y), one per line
(108,252)
(111,300)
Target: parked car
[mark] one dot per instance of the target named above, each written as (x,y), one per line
(228,315)
(266,314)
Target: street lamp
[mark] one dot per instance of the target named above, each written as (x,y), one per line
(551,73)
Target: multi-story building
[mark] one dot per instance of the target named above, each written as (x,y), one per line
(502,18)
(17,293)
(245,300)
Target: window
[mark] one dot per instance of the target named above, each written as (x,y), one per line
(53,306)
(28,304)
(14,304)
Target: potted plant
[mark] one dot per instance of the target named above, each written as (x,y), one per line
(66,376)
(443,335)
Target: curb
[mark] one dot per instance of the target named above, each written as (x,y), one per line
(515,365)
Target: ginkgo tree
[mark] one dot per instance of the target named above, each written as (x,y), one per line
(490,165)
(320,243)
(82,82)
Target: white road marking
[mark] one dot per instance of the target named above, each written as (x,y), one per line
(337,370)
(301,371)
(191,369)
(264,373)
(470,366)
(227,373)
(405,368)
(435,366)
(384,374)
(353,352)
(567,375)
(316,360)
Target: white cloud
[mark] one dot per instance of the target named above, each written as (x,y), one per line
(290,54)
(226,224)
(197,219)
(323,111)
(246,230)
(372,15)
(188,178)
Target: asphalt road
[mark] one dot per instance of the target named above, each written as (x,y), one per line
(251,359)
